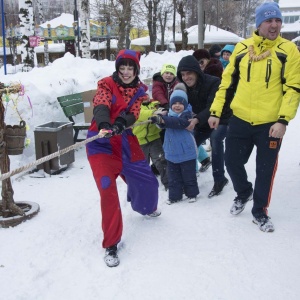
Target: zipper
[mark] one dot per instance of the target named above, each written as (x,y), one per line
(248,71)
(268,72)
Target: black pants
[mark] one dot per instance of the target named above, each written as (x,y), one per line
(182,178)
(240,141)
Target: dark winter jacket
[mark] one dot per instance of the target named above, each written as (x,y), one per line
(214,68)
(162,90)
(202,94)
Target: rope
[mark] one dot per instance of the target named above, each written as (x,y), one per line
(60,152)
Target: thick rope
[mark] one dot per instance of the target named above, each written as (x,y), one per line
(60,152)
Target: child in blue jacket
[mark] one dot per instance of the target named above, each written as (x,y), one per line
(180,147)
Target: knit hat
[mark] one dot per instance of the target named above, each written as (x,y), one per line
(201,53)
(266,11)
(179,95)
(128,54)
(168,68)
(214,49)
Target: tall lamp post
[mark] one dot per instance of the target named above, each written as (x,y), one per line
(3,36)
(200,25)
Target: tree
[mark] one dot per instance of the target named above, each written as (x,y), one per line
(124,17)
(85,28)
(181,9)
(152,22)
(163,16)
(27,29)
(42,20)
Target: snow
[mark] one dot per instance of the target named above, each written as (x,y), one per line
(192,251)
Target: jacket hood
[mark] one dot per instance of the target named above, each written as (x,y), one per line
(189,63)
(229,48)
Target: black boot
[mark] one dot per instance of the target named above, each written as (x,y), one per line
(218,188)
(205,164)
(154,170)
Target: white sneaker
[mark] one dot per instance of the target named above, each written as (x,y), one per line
(192,200)
(264,223)
(239,205)
(111,257)
(155,214)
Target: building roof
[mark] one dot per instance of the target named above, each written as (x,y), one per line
(213,35)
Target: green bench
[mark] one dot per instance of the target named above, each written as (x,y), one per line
(72,105)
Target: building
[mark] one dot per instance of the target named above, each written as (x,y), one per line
(291,18)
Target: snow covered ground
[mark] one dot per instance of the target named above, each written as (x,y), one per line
(194,251)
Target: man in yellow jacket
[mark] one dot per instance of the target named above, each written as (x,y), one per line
(262,86)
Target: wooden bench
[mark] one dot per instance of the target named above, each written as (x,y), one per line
(72,105)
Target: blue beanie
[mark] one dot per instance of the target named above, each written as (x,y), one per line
(179,95)
(266,11)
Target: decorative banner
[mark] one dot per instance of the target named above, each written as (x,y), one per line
(34,41)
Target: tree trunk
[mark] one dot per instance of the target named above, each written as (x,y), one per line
(42,20)
(27,30)
(85,28)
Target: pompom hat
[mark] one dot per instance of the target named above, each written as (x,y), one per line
(266,11)
(168,68)
(179,95)
(128,54)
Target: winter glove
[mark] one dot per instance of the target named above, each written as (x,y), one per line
(166,106)
(119,125)
(156,119)
(118,128)
(160,111)
(106,130)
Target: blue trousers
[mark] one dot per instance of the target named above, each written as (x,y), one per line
(240,141)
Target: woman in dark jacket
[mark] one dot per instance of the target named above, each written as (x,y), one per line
(208,65)
(201,89)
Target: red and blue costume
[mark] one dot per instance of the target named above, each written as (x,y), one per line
(120,155)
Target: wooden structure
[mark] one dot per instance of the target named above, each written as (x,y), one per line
(11,213)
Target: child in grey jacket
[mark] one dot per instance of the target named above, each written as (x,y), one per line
(180,147)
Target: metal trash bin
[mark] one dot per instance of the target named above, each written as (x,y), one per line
(50,138)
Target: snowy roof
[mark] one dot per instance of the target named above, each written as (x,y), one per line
(288,4)
(63,19)
(212,35)
(292,27)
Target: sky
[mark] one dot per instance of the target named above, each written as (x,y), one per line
(194,251)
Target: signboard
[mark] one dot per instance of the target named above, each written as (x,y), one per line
(34,41)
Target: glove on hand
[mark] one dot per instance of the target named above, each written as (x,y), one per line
(157,119)
(106,129)
(160,111)
(118,127)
